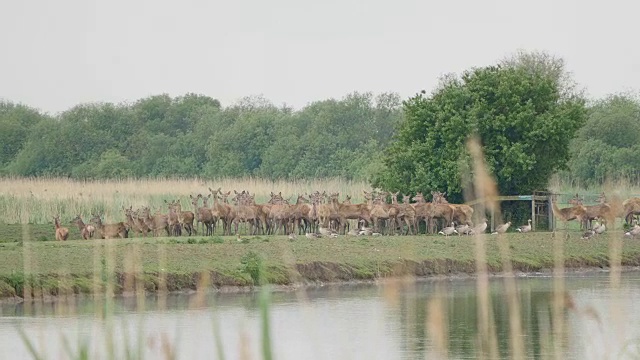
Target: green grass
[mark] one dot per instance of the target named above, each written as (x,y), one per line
(285,261)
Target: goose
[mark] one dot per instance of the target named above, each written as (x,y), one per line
(365,231)
(599,228)
(635,230)
(324,231)
(293,236)
(312,235)
(448,230)
(525,228)
(588,234)
(463,229)
(481,228)
(353,232)
(502,228)
(376,234)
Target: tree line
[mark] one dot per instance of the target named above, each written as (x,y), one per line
(194,135)
(532,118)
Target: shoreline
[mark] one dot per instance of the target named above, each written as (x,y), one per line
(41,297)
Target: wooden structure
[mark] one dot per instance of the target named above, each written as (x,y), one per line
(540,207)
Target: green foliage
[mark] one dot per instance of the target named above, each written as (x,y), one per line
(252,264)
(193,135)
(523,116)
(606,147)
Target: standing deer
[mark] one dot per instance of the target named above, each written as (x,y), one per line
(576,212)
(109,231)
(600,211)
(86,230)
(203,214)
(62,233)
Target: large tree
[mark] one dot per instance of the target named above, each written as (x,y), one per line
(606,147)
(525,110)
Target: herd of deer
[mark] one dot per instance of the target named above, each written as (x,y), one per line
(602,212)
(323,214)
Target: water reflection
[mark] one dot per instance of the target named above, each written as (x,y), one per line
(364,321)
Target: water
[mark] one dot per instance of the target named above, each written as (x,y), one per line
(365,321)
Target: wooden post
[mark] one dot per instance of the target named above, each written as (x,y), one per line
(533,213)
(552,220)
(493,218)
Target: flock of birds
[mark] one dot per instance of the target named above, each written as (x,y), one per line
(465,229)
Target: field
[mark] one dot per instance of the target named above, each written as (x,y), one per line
(28,205)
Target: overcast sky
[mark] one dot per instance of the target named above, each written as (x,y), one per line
(56,54)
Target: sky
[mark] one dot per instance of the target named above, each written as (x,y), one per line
(57,54)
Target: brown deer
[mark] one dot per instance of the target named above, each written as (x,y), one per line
(422,211)
(62,233)
(599,211)
(137,225)
(244,212)
(462,213)
(378,210)
(349,211)
(204,215)
(631,208)
(155,223)
(576,212)
(220,210)
(86,230)
(186,219)
(109,231)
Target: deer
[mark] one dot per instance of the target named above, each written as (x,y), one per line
(86,230)
(203,214)
(576,212)
(134,223)
(62,233)
(349,211)
(422,210)
(279,213)
(185,218)
(599,211)
(377,210)
(462,213)
(155,223)
(109,231)
(174,222)
(220,210)
(631,208)
(244,212)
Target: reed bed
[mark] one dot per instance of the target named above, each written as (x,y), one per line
(37,200)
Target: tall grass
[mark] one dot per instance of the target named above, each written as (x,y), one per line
(37,200)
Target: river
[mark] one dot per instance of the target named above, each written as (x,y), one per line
(355,321)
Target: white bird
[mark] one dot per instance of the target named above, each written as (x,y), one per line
(376,234)
(312,235)
(293,236)
(353,232)
(525,228)
(599,228)
(502,228)
(481,228)
(448,230)
(635,230)
(463,229)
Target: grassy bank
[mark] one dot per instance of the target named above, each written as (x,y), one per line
(52,268)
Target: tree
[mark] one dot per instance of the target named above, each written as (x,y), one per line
(525,111)
(604,149)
